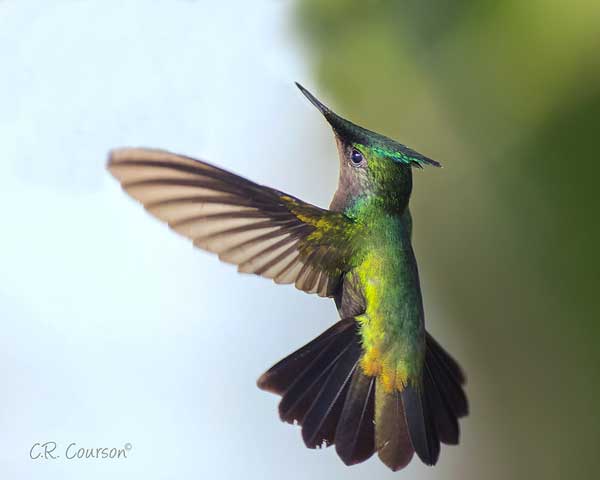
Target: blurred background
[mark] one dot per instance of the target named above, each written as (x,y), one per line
(115,330)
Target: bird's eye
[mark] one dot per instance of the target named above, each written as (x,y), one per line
(356,157)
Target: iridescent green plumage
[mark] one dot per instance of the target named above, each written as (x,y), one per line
(375,381)
(383,266)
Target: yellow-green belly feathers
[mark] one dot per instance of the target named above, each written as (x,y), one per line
(391,327)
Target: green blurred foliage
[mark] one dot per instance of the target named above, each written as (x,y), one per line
(507,96)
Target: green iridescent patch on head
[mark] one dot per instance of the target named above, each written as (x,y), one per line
(399,153)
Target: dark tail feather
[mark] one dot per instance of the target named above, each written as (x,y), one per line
(445,421)
(320,422)
(451,366)
(301,393)
(448,378)
(419,418)
(314,381)
(392,438)
(326,392)
(432,411)
(281,375)
(355,433)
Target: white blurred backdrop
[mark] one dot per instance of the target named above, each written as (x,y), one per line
(114,329)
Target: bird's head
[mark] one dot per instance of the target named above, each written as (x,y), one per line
(371,165)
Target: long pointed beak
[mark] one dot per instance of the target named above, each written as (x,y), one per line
(342,128)
(340,125)
(350,132)
(324,109)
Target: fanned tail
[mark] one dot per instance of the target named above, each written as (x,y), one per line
(324,390)
(314,382)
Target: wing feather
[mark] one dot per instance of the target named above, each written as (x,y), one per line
(261,230)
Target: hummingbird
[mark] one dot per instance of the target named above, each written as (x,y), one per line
(374,382)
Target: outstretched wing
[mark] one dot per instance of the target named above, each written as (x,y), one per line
(262,230)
